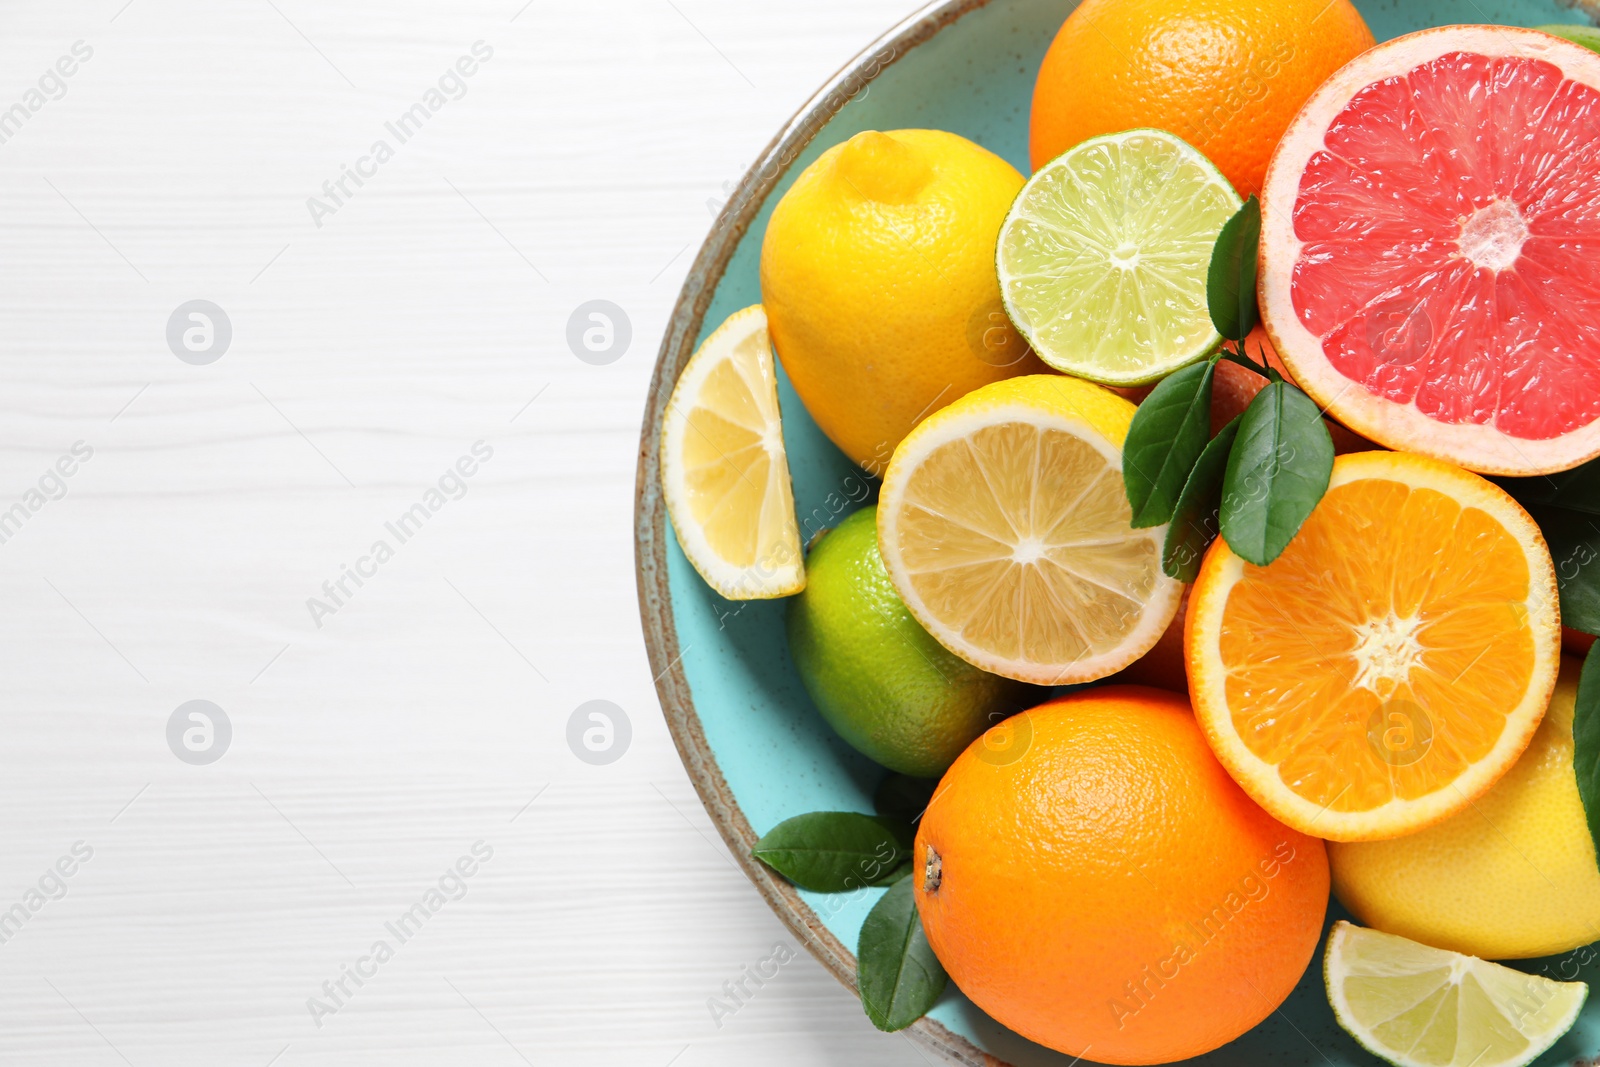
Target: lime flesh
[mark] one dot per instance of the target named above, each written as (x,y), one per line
(1104,256)
(1415,1006)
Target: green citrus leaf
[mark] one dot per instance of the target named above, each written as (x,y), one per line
(1577,490)
(1194,523)
(836,851)
(1279,468)
(1231,284)
(899,976)
(902,797)
(1567,508)
(1586,741)
(1168,434)
(1574,539)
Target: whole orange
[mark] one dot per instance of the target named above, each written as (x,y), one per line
(1091,877)
(1227,76)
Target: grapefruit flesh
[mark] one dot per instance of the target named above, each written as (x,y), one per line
(1431,250)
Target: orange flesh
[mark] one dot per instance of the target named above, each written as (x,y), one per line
(1392,599)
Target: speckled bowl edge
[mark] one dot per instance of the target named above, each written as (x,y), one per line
(651,529)
(650,525)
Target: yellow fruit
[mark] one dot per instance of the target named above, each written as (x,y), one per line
(878,276)
(1511,877)
(724,471)
(1391,665)
(1416,1006)
(1004,526)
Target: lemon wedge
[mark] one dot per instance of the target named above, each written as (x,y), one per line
(723,468)
(1005,527)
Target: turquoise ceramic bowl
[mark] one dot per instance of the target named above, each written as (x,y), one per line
(757,750)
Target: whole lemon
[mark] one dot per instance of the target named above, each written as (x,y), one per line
(879,679)
(1228,76)
(1091,877)
(1511,877)
(878,276)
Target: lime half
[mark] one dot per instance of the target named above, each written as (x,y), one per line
(1416,1006)
(1103,258)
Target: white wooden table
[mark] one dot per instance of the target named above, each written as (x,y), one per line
(380,738)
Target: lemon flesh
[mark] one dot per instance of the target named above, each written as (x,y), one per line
(1005,527)
(1416,1006)
(724,471)
(1104,256)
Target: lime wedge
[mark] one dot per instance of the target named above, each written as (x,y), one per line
(1103,258)
(1416,1006)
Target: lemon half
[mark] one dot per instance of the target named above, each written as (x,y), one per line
(1005,527)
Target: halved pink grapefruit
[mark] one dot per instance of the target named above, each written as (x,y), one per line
(1430,251)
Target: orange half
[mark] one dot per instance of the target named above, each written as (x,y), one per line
(1392,664)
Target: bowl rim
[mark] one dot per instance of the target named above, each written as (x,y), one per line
(650,526)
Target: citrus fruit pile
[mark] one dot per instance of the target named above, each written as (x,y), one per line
(1271,397)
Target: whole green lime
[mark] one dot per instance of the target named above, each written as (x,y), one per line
(879,679)
(1588,36)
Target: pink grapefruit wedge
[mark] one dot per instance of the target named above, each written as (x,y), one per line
(1430,252)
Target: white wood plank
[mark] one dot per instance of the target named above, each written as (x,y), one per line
(368,355)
